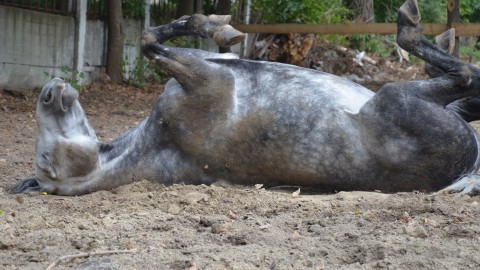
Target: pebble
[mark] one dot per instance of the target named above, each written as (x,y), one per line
(174,209)
(265,227)
(132,245)
(315,228)
(232,215)
(83,226)
(415,230)
(6,243)
(191,266)
(103,263)
(308,263)
(381,264)
(196,197)
(218,228)
(430,222)
(9,219)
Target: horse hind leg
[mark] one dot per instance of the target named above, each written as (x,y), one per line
(411,38)
(467,108)
(457,79)
(189,66)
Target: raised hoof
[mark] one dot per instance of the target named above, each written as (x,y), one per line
(446,40)
(217,27)
(213,26)
(148,37)
(227,36)
(410,12)
(409,30)
(222,19)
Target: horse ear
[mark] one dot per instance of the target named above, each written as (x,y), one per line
(25,186)
(44,162)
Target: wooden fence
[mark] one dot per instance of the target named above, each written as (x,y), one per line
(461,29)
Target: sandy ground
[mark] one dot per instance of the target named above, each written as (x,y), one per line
(151,226)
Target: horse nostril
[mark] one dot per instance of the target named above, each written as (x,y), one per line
(48,97)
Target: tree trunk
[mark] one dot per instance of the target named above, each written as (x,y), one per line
(115,41)
(362,10)
(185,7)
(198,7)
(223,8)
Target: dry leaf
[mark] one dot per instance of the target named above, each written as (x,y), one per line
(232,215)
(19,198)
(258,186)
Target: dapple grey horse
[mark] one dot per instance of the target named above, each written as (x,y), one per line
(258,122)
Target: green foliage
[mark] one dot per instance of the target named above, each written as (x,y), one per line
(209,7)
(470,10)
(300,11)
(133,9)
(472,53)
(431,11)
(70,76)
(337,39)
(183,42)
(371,44)
(143,73)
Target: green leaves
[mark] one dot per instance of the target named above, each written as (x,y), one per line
(300,11)
(142,73)
(69,75)
(470,10)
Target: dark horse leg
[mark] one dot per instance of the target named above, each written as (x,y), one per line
(410,120)
(464,98)
(462,75)
(467,108)
(212,26)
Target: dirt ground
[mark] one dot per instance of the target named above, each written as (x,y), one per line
(151,226)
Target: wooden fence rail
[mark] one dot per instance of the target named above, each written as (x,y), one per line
(461,29)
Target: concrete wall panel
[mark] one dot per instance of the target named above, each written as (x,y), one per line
(32,43)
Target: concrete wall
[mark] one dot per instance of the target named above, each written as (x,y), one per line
(32,44)
(96,45)
(35,45)
(131,50)
(95,40)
